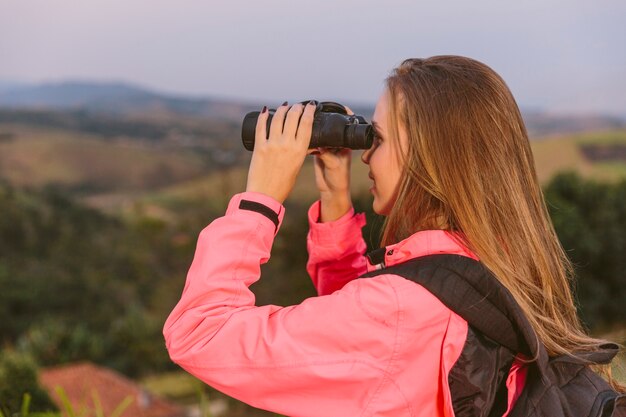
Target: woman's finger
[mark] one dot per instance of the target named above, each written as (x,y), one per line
(291,124)
(276,128)
(303,137)
(260,136)
(333,156)
(350,112)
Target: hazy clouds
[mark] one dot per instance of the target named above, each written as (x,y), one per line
(562,55)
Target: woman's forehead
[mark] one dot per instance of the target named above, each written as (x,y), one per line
(379,117)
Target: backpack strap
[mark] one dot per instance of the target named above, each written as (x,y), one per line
(469,289)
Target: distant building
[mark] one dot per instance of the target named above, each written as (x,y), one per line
(81,380)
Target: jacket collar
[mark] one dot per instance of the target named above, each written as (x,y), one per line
(422,243)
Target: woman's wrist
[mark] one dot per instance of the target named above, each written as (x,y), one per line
(334,206)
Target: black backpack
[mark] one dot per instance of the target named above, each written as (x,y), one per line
(560,386)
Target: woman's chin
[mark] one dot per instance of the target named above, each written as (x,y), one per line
(376,207)
(380,208)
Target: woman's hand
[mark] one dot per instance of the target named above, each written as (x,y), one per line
(276,161)
(332,177)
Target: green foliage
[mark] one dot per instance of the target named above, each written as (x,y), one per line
(141,334)
(19,387)
(25,410)
(54,341)
(46,243)
(203,398)
(79,285)
(590,220)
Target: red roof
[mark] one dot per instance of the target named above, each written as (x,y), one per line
(81,380)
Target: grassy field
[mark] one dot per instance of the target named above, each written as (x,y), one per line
(179,386)
(217,188)
(608,137)
(186,390)
(552,155)
(560,153)
(36,157)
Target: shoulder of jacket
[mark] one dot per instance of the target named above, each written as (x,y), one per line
(386,293)
(396,283)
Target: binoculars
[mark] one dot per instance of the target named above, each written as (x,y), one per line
(332,128)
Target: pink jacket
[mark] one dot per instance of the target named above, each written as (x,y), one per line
(351,351)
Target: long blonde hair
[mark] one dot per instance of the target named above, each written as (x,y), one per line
(469,169)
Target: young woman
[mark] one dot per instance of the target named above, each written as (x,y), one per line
(453,172)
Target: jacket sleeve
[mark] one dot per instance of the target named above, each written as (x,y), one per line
(295,360)
(336,250)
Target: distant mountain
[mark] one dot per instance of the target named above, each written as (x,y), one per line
(116,99)
(126,100)
(6,85)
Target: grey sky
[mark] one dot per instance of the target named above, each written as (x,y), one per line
(561,55)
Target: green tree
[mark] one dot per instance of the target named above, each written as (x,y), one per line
(18,376)
(70,275)
(590,220)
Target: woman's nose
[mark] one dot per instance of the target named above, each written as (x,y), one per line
(365,156)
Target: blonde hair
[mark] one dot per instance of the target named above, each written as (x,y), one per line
(469,169)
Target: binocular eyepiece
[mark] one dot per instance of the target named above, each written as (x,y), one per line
(332,128)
